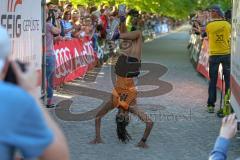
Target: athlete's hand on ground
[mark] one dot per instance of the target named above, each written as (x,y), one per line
(28,79)
(97,141)
(141,144)
(229,127)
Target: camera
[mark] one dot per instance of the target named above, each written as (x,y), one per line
(51,16)
(11,76)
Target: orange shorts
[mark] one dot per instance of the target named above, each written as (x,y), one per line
(124,93)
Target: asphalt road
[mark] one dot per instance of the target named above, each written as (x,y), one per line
(174,95)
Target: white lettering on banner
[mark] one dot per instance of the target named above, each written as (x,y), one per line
(67,63)
(203,59)
(84,53)
(23,24)
(204,56)
(60,66)
(78,59)
(87,55)
(58,53)
(88,52)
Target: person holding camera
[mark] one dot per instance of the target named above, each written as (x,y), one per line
(227,132)
(51,30)
(26,127)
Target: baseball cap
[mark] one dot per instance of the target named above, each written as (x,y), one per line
(217,9)
(5,46)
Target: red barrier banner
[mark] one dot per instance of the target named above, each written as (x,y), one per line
(73,59)
(203,64)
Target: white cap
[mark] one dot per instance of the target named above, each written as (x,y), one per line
(5,46)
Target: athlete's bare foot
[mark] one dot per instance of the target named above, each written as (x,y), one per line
(97,141)
(141,144)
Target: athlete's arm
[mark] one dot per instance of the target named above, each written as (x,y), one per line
(136,38)
(131,35)
(68,30)
(139,42)
(55,30)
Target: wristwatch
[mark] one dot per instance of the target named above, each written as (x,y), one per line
(144,140)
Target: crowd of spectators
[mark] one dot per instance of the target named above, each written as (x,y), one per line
(200,20)
(65,22)
(89,21)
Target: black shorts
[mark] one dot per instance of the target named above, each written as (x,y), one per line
(127,66)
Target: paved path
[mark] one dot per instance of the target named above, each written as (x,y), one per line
(182,131)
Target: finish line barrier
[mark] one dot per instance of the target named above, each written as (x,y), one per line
(74,58)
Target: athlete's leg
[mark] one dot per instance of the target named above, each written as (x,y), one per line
(131,35)
(102,112)
(146,119)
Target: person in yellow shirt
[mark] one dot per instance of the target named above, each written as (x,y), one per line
(218,33)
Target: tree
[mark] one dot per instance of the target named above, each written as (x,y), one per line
(177,9)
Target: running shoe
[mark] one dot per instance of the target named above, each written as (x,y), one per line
(220,113)
(210,109)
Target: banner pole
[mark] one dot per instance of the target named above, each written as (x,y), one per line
(43,87)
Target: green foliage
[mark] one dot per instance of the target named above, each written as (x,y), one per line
(173,8)
(225,4)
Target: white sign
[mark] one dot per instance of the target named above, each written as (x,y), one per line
(22,19)
(235,68)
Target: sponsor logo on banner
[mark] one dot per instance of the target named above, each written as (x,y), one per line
(203,65)
(14,21)
(73,59)
(22,19)
(12,5)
